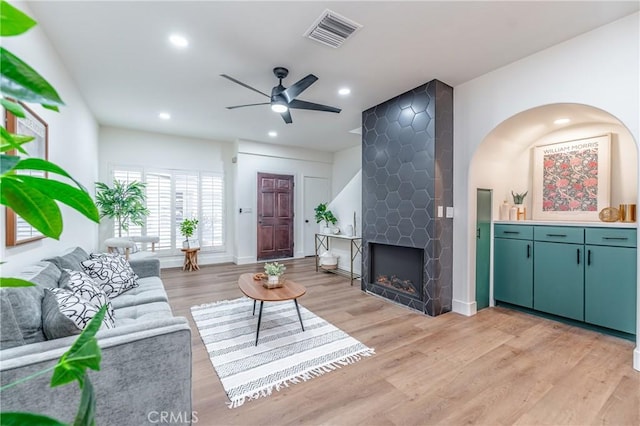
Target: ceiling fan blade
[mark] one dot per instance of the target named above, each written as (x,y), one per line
(292,92)
(286,116)
(244,85)
(298,104)
(242,106)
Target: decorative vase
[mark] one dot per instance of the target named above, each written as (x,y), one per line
(274,279)
(522,212)
(326,230)
(185,244)
(504,210)
(348,231)
(513,213)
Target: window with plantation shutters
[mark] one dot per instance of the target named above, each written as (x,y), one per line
(175,195)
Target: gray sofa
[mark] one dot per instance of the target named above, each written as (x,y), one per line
(146,358)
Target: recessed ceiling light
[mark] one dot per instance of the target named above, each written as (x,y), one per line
(344,91)
(562,121)
(273,134)
(178,41)
(164,116)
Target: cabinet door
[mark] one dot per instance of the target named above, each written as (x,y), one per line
(610,288)
(513,271)
(558,286)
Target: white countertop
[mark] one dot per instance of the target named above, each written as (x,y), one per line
(567,223)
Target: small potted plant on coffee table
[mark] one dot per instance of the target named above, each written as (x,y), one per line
(274,273)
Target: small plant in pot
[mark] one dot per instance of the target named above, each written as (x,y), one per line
(187,229)
(325,215)
(274,271)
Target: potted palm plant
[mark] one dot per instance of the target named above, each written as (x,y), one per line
(323,214)
(124,202)
(187,229)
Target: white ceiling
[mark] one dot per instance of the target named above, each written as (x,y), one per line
(119,56)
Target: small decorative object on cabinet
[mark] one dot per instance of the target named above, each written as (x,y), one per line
(609,214)
(518,199)
(504,210)
(627,212)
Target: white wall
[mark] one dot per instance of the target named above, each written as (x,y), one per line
(599,68)
(73,145)
(343,206)
(254,157)
(346,163)
(124,147)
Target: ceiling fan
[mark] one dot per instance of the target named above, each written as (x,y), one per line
(283,99)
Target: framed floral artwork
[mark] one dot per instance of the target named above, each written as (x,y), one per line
(571,179)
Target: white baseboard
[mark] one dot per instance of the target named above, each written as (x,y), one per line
(636,358)
(465,308)
(245,260)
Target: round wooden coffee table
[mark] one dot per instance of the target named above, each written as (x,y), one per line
(255,290)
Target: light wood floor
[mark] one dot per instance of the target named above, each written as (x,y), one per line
(497,367)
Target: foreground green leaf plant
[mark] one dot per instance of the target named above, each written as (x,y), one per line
(35,199)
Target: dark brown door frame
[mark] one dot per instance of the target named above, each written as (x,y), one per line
(275,216)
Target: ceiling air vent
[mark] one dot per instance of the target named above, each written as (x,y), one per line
(332,29)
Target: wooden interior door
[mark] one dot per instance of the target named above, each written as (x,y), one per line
(275,216)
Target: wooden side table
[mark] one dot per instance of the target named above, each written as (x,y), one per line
(190,259)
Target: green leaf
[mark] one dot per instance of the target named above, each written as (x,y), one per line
(21,419)
(13,21)
(87,408)
(45,166)
(38,209)
(15,282)
(19,81)
(8,141)
(15,108)
(8,162)
(73,197)
(83,354)
(51,107)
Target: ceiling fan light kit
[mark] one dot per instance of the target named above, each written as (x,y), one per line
(283,99)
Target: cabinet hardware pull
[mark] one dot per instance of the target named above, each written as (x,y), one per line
(556,235)
(578,255)
(588,257)
(510,232)
(528,251)
(615,238)
(478,234)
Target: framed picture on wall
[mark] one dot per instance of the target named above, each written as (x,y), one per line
(571,179)
(18,231)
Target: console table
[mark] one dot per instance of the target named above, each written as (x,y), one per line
(355,245)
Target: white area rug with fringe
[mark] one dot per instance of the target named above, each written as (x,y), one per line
(284,355)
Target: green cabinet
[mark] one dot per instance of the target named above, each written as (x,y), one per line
(558,283)
(513,271)
(583,273)
(610,280)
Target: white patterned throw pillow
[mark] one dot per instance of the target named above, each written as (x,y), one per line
(112,272)
(63,310)
(84,286)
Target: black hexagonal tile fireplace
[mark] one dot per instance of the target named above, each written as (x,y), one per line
(407,171)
